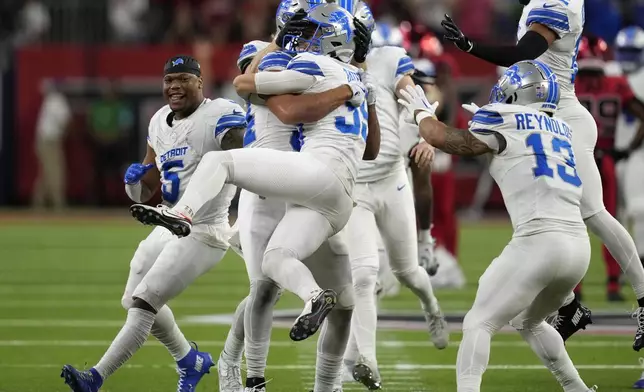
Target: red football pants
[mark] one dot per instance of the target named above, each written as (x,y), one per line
(445,229)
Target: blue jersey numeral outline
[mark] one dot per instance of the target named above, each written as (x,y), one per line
(560,146)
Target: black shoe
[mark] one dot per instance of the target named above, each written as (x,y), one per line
(313,315)
(162,216)
(571,318)
(363,374)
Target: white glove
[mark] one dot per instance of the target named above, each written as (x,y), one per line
(370,83)
(471,107)
(416,103)
(427,258)
(359,93)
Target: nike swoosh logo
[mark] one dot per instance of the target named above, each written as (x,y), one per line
(401,187)
(549,5)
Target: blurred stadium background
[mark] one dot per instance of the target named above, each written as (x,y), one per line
(80,80)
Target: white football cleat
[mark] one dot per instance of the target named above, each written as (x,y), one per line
(230,379)
(437,329)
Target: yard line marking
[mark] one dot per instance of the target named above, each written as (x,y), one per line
(402,367)
(284,343)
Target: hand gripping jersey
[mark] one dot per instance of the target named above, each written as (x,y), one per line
(388,65)
(536,170)
(605,98)
(566,18)
(627,124)
(179,148)
(339,138)
(264,128)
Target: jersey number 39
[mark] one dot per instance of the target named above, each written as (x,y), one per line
(355,123)
(559,146)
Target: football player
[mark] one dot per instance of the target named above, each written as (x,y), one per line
(549,253)
(551,31)
(180,135)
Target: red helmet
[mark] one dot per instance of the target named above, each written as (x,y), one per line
(592,54)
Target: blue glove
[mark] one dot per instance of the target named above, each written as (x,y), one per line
(134,173)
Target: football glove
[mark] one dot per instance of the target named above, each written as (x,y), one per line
(135,172)
(370,83)
(295,26)
(427,257)
(362,40)
(416,103)
(359,93)
(454,34)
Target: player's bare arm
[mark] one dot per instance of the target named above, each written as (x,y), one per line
(308,108)
(234,138)
(532,45)
(422,153)
(373,136)
(423,195)
(635,107)
(152,179)
(452,140)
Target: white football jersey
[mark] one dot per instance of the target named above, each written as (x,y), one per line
(339,138)
(265,130)
(388,65)
(179,148)
(536,170)
(566,18)
(627,124)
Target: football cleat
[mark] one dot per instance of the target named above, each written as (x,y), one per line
(315,311)
(438,329)
(82,381)
(638,342)
(230,379)
(163,216)
(192,368)
(570,319)
(366,373)
(256,384)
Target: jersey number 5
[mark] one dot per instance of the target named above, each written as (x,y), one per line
(559,146)
(170,195)
(355,123)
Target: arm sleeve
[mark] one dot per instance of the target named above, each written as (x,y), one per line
(232,117)
(484,126)
(285,82)
(531,46)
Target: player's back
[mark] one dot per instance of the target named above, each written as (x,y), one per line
(340,136)
(180,146)
(388,64)
(264,129)
(536,170)
(566,18)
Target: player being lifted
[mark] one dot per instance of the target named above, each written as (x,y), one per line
(317,181)
(550,31)
(258,217)
(179,136)
(534,165)
(385,204)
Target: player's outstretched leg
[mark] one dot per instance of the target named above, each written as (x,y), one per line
(282,264)
(229,363)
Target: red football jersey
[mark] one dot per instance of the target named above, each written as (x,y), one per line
(605,97)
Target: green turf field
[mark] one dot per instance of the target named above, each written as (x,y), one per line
(60,291)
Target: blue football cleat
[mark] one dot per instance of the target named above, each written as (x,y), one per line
(192,368)
(639,384)
(82,381)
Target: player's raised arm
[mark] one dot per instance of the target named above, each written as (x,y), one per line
(372,148)
(143,179)
(546,26)
(445,138)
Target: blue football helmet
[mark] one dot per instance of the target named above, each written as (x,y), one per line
(528,83)
(629,48)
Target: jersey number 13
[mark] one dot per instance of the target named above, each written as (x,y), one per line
(560,146)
